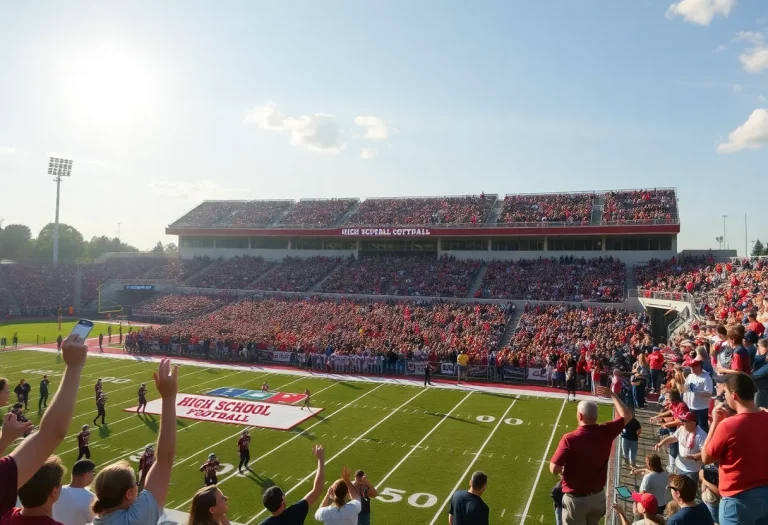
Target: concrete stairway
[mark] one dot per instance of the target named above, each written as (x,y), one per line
(511,329)
(320,283)
(598,205)
(478,280)
(346,216)
(495,211)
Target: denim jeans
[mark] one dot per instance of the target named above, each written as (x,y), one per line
(629,451)
(639,394)
(657,379)
(714,509)
(746,508)
(702,418)
(558,515)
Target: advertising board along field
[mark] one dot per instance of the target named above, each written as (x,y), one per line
(234,412)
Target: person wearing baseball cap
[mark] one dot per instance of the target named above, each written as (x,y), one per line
(645,505)
(697,392)
(690,439)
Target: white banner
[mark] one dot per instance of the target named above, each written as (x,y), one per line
(448,369)
(236,412)
(283,357)
(536,374)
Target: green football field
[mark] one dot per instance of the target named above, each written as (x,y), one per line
(36,333)
(416,445)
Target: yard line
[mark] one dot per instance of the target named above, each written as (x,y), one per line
(472,463)
(386,477)
(340,452)
(281,445)
(541,465)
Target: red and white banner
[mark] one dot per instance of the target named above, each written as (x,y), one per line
(234,411)
(383,232)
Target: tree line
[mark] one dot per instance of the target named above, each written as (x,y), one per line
(758,249)
(17,243)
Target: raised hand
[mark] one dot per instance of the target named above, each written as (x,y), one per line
(345,474)
(14,429)
(74,351)
(167,379)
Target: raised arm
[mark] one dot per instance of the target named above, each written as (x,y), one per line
(159,475)
(317,488)
(621,408)
(34,450)
(346,475)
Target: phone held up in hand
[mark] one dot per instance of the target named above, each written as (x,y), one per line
(82,329)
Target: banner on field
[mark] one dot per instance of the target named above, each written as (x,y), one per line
(415,367)
(477,371)
(448,369)
(257,395)
(275,355)
(537,374)
(515,373)
(235,412)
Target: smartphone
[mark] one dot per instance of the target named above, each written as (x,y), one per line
(623,492)
(82,329)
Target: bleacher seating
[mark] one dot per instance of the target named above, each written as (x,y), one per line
(297,275)
(467,209)
(238,214)
(317,213)
(173,306)
(641,206)
(574,208)
(41,286)
(233,274)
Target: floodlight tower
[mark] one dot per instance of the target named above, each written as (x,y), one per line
(58,168)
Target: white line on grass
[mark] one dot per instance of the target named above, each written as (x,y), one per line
(386,477)
(472,463)
(358,438)
(281,445)
(541,465)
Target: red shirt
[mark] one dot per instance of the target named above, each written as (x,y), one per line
(15,518)
(736,446)
(678,409)
(243,443)
(656,360)
(741,360)
(82,439)
(584,455)
(9,480)
(756,327)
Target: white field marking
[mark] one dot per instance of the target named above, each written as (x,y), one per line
(281,445)
(541,465)
(388,474)
(503,512)
(340,452)
(129,452)
(472,463)
(235,435)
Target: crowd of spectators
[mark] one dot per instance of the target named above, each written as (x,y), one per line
(413,276)
(178,305)
(552,279)
(553,207)
(640,206)
(235,214)
(317,213)
(236,273)
(691,274)
(314,325)
(40,286)
(295,274)
(467,209)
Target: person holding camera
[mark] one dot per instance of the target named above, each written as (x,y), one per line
(367,491)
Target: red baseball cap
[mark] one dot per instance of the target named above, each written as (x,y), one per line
(648,501)
(687,416)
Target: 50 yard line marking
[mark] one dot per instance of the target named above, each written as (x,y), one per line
(340,452)
(472,463)
(541,465)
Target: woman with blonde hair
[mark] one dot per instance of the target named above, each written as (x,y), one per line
(209,507)
(335,509)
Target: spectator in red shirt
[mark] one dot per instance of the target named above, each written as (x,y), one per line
(26,459)
(656,362)
(740,361)
(38,496)
(582,460)
(754,326)
(735,444)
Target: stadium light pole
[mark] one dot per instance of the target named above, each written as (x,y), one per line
(58,168)
(725,237)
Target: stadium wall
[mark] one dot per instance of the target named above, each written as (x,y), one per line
(630,258)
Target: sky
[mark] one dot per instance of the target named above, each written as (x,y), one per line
(164,104)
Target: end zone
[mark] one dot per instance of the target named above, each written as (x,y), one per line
(240,412)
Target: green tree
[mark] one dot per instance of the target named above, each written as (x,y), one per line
(103,244)
(15,241)
(71,245)
(158,248)
(171,247)
(758,248)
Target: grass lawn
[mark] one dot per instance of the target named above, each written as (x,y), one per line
(32,333)
(416,445)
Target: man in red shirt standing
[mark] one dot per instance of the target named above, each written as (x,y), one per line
(735,444)
(582,459)
(754,326)
(656,361)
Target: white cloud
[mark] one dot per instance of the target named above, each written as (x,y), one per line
(753,134)
(375,127)
(193,191)
(754,37)
(7,151)
(369,153)
(700,12)
(761,98)
(736,88)
(755,60)
(720,48)
(317,132)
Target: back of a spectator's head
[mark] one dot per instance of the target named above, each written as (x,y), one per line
(5,391)
(587,412)
(675,396)
(273,499)
(653,462)
(83,468)
(478,482)
(722,330)
(45,486)
(114,485)
(740,387)
(684,486)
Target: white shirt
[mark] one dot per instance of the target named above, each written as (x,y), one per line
(698,391)
(73,506)
(689,443)
(333,515)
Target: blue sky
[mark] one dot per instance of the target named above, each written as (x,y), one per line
(163,104)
